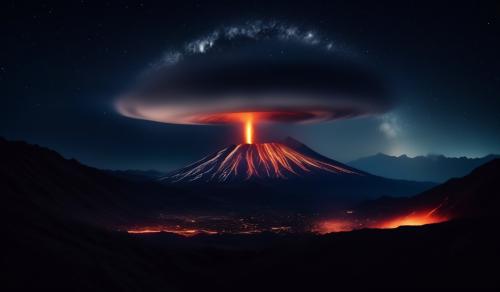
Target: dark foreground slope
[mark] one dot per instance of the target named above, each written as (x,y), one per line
(33,177)
(448,256)
(474,195)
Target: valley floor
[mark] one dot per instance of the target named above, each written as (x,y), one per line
(445,256)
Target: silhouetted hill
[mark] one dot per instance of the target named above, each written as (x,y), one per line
(136,175)
(34,176)
(447,256)
(442,257)
(474,195)
(437,168)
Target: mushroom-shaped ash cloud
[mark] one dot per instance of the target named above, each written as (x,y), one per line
(273,72)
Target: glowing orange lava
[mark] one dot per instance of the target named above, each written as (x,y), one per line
(249,130)
(179,231)
(263,160)
(250,118)
(414,219)
(335,225)
(267,160)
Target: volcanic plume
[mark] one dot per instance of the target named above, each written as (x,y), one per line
(262,73)
(271,71)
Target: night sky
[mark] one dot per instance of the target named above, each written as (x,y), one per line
(63,66)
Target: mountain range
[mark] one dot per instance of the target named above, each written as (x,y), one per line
(436,168)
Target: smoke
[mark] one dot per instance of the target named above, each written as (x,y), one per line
(279,72)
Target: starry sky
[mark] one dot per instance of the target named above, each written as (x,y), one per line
(62,66)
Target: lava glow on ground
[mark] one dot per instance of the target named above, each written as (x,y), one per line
(188,232)
(213,225)
(178,231)
(414,219)
(192,225)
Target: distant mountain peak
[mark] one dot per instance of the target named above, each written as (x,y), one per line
(431,167)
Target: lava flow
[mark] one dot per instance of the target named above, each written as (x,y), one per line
(265,160)
(257,160)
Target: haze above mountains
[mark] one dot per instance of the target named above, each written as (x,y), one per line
(435,168)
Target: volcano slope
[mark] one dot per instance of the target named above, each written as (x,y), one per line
(284,175)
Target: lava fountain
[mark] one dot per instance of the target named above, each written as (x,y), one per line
(249,130)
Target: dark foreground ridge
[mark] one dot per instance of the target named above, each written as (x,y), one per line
(475,195)
(446,256)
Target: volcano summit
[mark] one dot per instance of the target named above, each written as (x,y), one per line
(263,161)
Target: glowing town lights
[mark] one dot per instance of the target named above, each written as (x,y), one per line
(249,131)
(179,231)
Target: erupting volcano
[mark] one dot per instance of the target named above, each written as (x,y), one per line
(284,81)
(286,168)
(251,160)
(259,161)
(247,161)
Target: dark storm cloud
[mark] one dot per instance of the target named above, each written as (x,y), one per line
(278,72)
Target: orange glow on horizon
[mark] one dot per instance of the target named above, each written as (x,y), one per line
(414,219)
(334,225)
